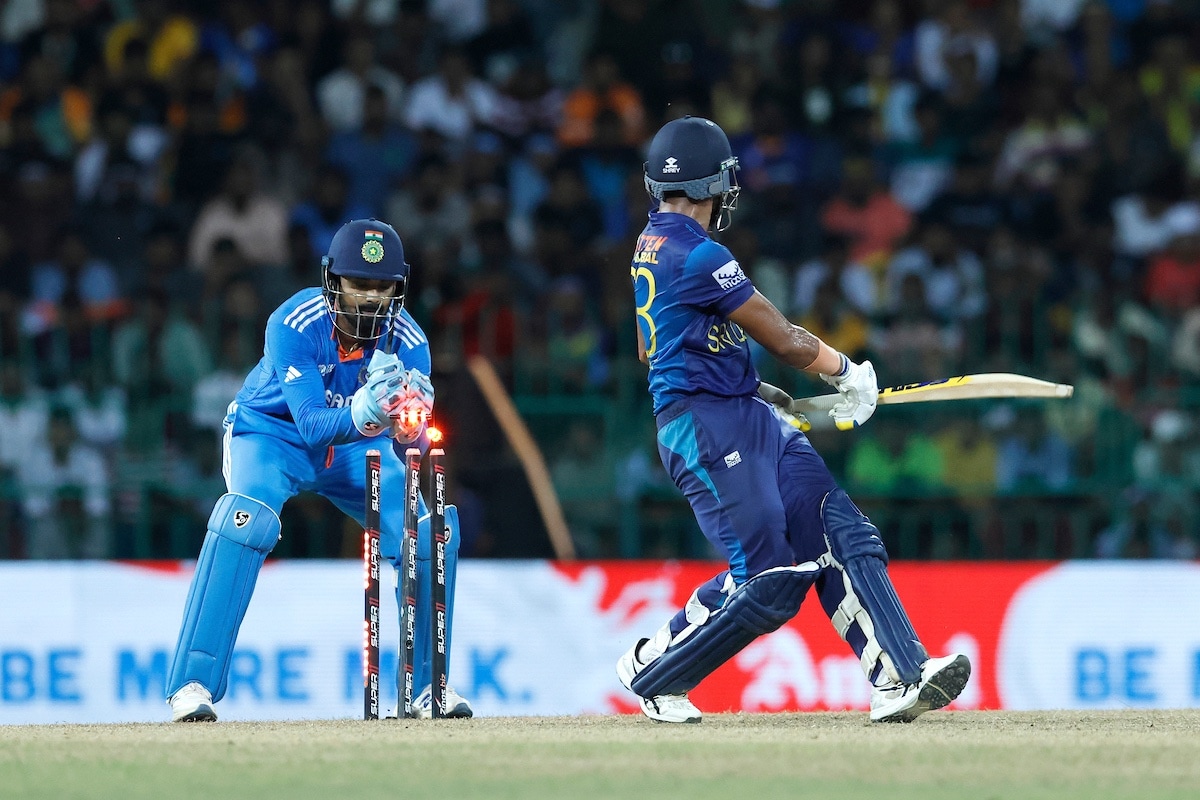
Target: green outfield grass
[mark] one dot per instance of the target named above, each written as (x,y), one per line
(965,755)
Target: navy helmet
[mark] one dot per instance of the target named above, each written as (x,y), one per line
(368,249)
(691,155)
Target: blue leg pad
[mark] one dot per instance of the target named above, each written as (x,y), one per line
(241,531)
(760,605)
(423,647)
(870,601)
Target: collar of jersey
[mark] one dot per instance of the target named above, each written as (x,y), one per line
(343,356)
(658,217)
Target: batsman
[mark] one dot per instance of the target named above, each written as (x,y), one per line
(343,364)
(760,493)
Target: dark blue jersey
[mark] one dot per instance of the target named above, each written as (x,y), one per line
(685,285)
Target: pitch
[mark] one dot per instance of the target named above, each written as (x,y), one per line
(977,755)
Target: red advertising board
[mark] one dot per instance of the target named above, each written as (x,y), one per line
(806,666)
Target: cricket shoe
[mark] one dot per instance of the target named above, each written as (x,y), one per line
(942,679)
(457,706)
(192,703)
(660,708)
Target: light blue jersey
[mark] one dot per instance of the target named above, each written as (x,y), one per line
(685,286)
(305,380)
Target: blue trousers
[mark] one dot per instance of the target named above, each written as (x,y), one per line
(755,484)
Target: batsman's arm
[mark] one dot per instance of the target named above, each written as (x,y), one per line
(304,393)
(791,344)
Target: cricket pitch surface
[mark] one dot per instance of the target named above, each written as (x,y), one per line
(969,755)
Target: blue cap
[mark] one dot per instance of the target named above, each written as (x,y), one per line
(367,248)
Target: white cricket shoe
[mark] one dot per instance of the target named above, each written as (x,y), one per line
(457,706)
(942,679)
(663,707)
(192,703)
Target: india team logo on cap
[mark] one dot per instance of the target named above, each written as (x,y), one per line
(372,249)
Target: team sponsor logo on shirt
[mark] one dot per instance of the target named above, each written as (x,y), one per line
(291,375)
(733,459)
(326,369)
(729,274)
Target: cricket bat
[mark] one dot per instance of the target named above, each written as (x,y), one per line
(960,387)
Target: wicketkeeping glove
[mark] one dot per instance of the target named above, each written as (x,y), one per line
(415,407)
(382,395)
(860,392)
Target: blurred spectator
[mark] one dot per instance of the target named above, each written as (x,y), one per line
(852,281)
(66,501)
(1033,153)
(118,144)
(574,340)
(950,31)
(342,93)
(1146,221)
(507,38)
(968,457)
(1171,82)
(733,96)
(604,165)
(24,417)
(203,152)
(65,37)
(567,208)
(895,460)
(170,38)
(328,210)
(921,168)
(602,88)
(239,38)
(1173,277)
(254,220)
(890,97)
(98,410)
(376,156)
(867,215)
(1144,528)
(835,321)
(61,113)
(968,207)
(951,275)
(909,340)
(527,103)
(214,392)
(1032,458)
(73,275)
(430,209)
(452,102)
(158,354)
(583,475)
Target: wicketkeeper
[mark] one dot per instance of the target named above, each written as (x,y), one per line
(343,364)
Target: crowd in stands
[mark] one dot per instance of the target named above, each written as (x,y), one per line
(943,186)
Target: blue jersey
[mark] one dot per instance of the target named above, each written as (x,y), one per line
(685,285)
(305,380)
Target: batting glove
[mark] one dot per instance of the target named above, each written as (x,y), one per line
(860,392)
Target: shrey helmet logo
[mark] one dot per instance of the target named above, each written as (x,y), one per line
(672,165)
(372,249)
(240,518)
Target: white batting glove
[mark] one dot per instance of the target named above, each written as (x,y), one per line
(860,391)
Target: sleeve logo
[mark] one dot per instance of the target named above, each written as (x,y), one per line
(729,275)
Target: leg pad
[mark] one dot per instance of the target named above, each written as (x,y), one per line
(761,605)
(241,531)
